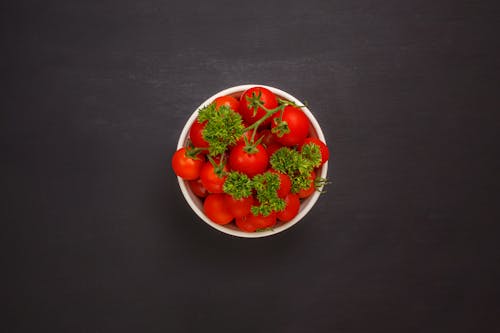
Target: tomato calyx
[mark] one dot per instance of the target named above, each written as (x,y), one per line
(281,127)
(254,102)
(218,167)
(194,152)
(251,144)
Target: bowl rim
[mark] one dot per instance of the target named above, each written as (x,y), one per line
(307,204)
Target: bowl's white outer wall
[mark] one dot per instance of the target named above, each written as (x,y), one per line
(195,202)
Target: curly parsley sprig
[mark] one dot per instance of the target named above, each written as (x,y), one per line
(311,153)
(224,127)
(238,185)
(266,186)
(320,183)
(297,165)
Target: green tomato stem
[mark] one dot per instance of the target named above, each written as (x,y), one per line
(255,126)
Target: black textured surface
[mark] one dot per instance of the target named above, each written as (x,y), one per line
(97,237)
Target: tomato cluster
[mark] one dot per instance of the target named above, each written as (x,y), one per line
(268,124)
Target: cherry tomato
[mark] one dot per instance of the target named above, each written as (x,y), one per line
(310,190)
(325,154)
(251,223)
(216,209)
(263,221)
(285,184)
(227,101)
(298,123)
(239,208)
(248,163)
(268,138)
(268,99)
(292,208)
(198,188)
(246,224)
(272,148)
(188,168)
(210,180)
(196,134)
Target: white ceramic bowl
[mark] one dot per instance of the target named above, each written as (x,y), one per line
(231,229)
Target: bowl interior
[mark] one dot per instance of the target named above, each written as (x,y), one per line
(231,229)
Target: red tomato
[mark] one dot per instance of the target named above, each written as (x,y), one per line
(268,138)
(263,221)
(210,180)
(268,99)
(272,148)
(310,190)
(196,134)
(216,209)
(298,123)
(250,164)
(186,167)
(198,188)
(251,223)
(227,101)
(292,208)
(239,208)
(325,154)
(285,184)
(246,224)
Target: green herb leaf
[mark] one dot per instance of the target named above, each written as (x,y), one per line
(320,183)
(297,165)
(224,127)
(264,229)
(312,154)
(266,185)
(238,185)
(286,160)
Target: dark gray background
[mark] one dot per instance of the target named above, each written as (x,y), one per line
(97,237)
